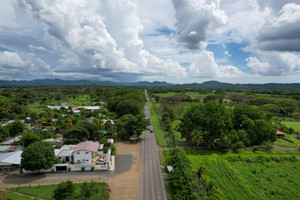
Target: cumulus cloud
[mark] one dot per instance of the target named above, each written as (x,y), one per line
(39,48)
(207,67)
(97,37)
(195,19)
(280,30)
(272,63)
(10,60)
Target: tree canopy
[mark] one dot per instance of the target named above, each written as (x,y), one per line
(16,128)
(38,155)
(64,190)
(29,138)
(225,128)
(129,125)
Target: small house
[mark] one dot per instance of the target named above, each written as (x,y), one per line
(280,134)
(86,152)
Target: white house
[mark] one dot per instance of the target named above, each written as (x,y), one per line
(90,107)
(86,152)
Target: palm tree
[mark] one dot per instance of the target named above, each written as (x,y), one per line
(197,137)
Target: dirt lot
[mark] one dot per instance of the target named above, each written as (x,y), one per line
(124,181)
(126,185)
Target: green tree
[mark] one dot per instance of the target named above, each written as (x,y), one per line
(76,134)
(16,128)
(91,128)
(197,136)
(182,180)
(88,189)
(64,190)
(4,133)
(38,155)
(212,118)
(29,138)
(129,125)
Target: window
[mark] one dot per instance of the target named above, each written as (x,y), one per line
(67,159)
(86,152)
(87,160)
(78,160)
(78,152)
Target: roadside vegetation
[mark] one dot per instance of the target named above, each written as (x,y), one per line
(66,190)
(242,123)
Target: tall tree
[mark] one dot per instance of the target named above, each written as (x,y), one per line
(16,128)
(129,125)
(29,138)
(38,155)
(212,118)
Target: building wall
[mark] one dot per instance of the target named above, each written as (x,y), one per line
(85,157)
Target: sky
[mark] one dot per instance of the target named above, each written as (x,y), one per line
(178,41)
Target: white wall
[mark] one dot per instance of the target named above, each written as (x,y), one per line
(85,157)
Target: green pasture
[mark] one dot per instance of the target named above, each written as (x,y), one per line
(46,191)
(9,196)
(159,134)
(81,100)
(294,125)
(289,141)
(250,175)
(191,94)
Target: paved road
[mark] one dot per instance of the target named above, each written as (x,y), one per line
(152,185)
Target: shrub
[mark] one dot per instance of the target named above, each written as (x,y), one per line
(283,158)
(69,169)
(113,150)
(92,168)
(103,140)
(275,158)
(260,159)
(105,149)
(64,190)
(293,158)
(82,168)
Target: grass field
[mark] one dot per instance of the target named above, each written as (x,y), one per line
(11,196)
(35,107)
(81,100)
(46,191)
(253,179)
(294,125)
(292,141)
(159,134)
(191,94)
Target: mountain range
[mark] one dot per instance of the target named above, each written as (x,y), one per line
(209,84)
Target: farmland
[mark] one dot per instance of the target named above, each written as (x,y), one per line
(253,176)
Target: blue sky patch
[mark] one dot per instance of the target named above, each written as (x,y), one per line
(237,56)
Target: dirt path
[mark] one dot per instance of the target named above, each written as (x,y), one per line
(287,148)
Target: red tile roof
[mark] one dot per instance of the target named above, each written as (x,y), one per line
(12,148)
(87,146)
(280,133)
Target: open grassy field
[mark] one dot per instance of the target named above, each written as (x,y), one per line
(159,134)
(81,100)
(250,175)
(291,141)
(294,125)
(46,191)
(191,94)
(9,196)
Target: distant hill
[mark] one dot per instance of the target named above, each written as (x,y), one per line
(208,84)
